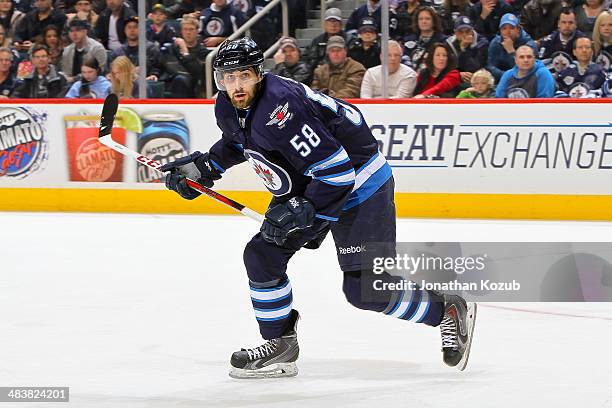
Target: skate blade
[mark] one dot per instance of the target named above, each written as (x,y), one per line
(278,370)
(471,322)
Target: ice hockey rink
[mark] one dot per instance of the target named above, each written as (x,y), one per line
(142,311)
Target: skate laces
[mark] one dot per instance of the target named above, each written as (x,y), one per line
(448,330)
(264,350)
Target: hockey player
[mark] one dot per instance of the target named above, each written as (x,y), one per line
(318,158)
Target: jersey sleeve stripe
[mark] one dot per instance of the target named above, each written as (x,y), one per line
(214,163)
(325,217)
(337,158)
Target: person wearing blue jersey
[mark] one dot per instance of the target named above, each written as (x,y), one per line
(318,158)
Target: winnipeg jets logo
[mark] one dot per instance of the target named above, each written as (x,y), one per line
(275,178)
(265,174)
(280,116)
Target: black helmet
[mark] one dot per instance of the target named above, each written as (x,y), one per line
(237,54)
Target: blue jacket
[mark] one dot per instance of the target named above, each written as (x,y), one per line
(539,83)
(101,87)
(499,60)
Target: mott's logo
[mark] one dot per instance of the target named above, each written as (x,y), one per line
(352,249)
(23,147)
(162,150)
(96,162)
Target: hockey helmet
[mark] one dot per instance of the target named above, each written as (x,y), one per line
(237,55)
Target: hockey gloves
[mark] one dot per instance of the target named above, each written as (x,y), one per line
(197,166)
(291,220)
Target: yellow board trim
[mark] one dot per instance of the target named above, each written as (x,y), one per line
(417,205)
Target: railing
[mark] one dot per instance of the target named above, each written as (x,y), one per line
(241,30)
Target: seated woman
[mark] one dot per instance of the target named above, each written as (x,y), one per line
(123,78)
(91,84)
(440,77)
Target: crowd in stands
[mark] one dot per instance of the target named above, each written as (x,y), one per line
(437,48)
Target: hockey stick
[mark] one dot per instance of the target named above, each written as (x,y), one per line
(111,104)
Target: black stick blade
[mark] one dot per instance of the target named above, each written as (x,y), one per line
(111,104)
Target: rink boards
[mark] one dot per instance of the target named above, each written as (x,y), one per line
(548,159)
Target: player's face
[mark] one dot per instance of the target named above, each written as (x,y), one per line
(583,50)
(524,59)
(241,86)
(567,24)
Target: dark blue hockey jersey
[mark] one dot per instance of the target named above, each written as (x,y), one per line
(221,22)
(302,143)
(577,83)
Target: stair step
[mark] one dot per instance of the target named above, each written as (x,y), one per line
(304,42)
(312,14)
(316,23)
(307,32)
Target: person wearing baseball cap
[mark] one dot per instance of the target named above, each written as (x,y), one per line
(80,48)
(365,48)
(288,64)
(316,54)
(470,48)
(486,15)
(341,77)
(158,31)
(504,45)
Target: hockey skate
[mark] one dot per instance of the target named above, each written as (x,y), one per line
(273,359)
(457,329)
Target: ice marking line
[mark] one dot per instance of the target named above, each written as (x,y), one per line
(542,312)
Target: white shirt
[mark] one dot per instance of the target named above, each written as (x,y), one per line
(113,38)
(401,83)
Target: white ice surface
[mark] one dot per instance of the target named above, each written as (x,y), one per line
(145,311)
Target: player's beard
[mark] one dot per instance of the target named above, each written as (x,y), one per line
(246,97)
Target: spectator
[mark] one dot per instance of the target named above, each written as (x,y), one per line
(317,51)
(9,17)
(52,39)
(81,48)
(184,62)
(586,14)
(25,6)
(371,9)
(450,11)
(401,80)
(33,23)
(91,84)
(45,81)
(528,79)
(602,40)
(365,49)
(219,21)
(428,31)
(440,77)
(502,48)
(110,27)
(287,60)
(266,30)
(192,8)
(158,32)
(483,86)
(469,47)
(487,15)
(341,77)
(83,11)
(584,75)
(405,16)
(123,78)
(130,50)
(556,48)
(8,81)
(539,17)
